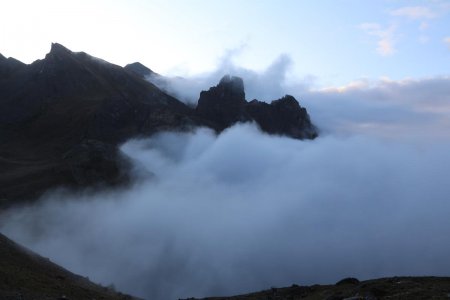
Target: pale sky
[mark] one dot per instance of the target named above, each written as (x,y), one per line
(333,41)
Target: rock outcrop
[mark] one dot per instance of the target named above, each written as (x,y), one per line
(223,105)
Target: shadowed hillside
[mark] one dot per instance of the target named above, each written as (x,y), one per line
(62,118)
(24,275)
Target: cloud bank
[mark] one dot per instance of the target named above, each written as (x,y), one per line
(244,211)
(406,109)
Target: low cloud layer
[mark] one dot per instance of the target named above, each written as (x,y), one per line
(405,109)
(243,211)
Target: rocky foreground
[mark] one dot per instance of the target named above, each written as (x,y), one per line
(24,275)
(405,288)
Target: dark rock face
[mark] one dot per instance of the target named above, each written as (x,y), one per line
(94,161)
(225,104)
(8,66)
(59,104)
(284,116)
(81,87)
(62,117)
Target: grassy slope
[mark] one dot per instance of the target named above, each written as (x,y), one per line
(28,276)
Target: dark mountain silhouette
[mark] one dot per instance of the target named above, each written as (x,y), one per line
(62,117)
(26,275)
(225,104)
(147,74)
(8,66)
(103,100)
(140,70)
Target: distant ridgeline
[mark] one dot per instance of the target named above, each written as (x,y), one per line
(62,118)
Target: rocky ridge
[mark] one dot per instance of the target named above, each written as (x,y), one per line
(225,104)
(63,117)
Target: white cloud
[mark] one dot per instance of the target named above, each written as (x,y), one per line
(398,109)
(394,108)
(267,85)
(414,12)
(386,37)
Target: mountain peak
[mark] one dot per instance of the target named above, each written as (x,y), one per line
(58,48)
(58,52)
(139,69)
(228,79)
(225,104)
(233,84)
(228,93)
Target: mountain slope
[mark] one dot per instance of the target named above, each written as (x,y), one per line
(68,102)
(95,99)
(62,118)
(26,275)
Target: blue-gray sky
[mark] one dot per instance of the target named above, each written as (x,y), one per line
(335,42)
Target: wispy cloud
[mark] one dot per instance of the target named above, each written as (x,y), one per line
(447,41)
(414,12)
(385,35)
(423,26)
(423,38)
